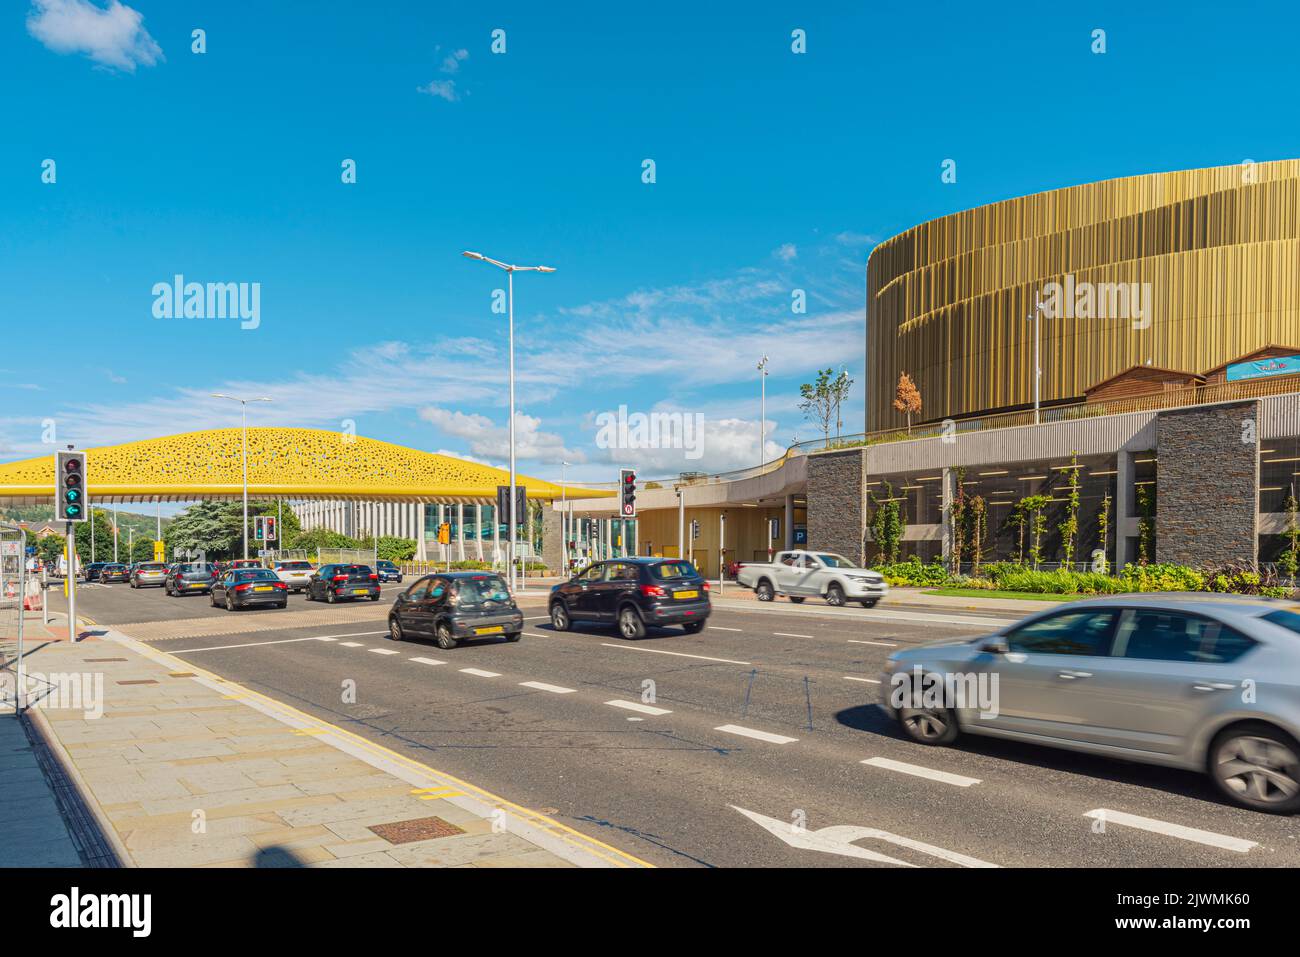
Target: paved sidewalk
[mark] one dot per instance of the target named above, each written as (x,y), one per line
(186,769)
(32,829)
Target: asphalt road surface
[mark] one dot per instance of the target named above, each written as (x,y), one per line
(734,747)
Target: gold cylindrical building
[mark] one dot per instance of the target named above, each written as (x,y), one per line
(1182,271)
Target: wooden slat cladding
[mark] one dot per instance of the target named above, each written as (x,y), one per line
(947,300)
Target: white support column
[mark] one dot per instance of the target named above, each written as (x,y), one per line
(478,531)
(421,551)
(460,533)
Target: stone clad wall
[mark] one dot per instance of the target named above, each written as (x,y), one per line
(1207,484)
(837,502)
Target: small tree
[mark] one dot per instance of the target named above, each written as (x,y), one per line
(1069,525)
(887,524)
(1289,561)
(1019,518)
(839,389)
(818,403)
(979,525)
(1146,528)
(907,399)
(1103,533)
(957,521)
(1033,506)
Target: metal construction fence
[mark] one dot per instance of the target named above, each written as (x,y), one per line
(14,587)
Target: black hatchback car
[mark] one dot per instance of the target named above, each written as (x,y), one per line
(454,606)
(93,569)
(244,587)
(634,593)
(333,583)
(114,572)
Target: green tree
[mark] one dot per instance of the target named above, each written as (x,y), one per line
(818,401)
(1033,508)
(1069,525)
(888,523)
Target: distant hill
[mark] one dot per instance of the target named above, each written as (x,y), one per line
(146,526)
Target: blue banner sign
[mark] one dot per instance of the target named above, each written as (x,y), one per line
(1262,368)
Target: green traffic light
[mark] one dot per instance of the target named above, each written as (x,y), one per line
(72,511)
(72,495)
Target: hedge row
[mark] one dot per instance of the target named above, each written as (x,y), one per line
(1010,576)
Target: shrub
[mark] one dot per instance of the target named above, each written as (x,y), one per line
(912,572)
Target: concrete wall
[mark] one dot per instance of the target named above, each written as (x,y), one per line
(837,513)
(1208,485)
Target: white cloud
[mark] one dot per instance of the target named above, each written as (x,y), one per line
(451,63)
(114,35)
(446,89)
(725,445)
(787,252)
(850,238)
(488,439)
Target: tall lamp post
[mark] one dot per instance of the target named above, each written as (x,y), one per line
(762,411)
(1038,368)
(510,309)
(243,403)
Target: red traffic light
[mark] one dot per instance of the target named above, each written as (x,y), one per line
(72,465)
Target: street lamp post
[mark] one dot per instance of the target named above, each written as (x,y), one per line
(1038,369)
(243,403)
(762,411)
(510,309)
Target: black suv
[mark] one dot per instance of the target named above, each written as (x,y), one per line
(332,583)
(114,572)
(455,605)
(635,593)
(388,572)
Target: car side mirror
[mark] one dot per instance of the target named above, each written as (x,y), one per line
(995,646)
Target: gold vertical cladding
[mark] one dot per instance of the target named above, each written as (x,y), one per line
(947,300)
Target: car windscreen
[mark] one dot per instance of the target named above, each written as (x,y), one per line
(254,574)
(192,569)
(835,561)
(353,571)
(295,566)
(670,571)
(387,566)
(151,567)
(1289,620)
(482,588)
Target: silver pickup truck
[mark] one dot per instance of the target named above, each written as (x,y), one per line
(799,573)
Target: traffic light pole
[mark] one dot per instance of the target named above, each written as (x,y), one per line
(71,579)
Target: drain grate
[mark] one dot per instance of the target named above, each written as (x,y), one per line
(419,829)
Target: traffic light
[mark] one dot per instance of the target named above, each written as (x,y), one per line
(444,534)
(259,528)
(70,486)
(269,533)
(627,491)
(695,529)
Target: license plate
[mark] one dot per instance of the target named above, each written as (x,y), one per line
(687,594)
(194,584)
(358,591)
(490,630)
(263,588)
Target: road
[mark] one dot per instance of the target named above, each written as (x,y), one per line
(729,748)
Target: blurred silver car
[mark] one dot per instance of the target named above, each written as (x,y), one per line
(1207,682)
(148,573)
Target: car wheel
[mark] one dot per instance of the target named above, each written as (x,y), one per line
(283,604)
(693,627)
(514,635)
(796,599)
(212,599)
(929,725)
(834,595)
(869,602)
(1257,767)
(560,617)
(630,624)
(446,640)
(395,629)
(330,597)
(374,598)
(230,605)
(764,590)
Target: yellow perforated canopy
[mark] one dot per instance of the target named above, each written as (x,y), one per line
(282,463)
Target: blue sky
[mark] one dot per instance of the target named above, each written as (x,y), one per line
(774,172)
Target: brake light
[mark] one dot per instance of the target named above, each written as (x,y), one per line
(339,578)
(652,591)
(706,586)
(281,585)
(243,587)
(374,577)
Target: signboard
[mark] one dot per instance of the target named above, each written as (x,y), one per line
(159,551)
(10,549)
(801,536)
(1263,368)
(503,505)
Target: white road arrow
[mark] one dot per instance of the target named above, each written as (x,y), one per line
(839,839)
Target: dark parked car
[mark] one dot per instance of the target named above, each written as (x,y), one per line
(454,606)
(242,587)
(333,583)
(93,569)
(114,572)
(634,593)
(184,578)
(388,572)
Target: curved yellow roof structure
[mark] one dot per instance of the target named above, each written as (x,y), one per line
(282,463)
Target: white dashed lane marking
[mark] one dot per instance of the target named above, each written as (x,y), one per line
(480,674)
(758,735)
(637,706)
(679,654)
(720,628)
(350,644)
(916,770)
(870,681)
(786,634)
(384,651)
(882,644)
(543,686)
(429,661)
(1171,830)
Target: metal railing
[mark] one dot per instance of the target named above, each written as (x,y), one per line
(13,591)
